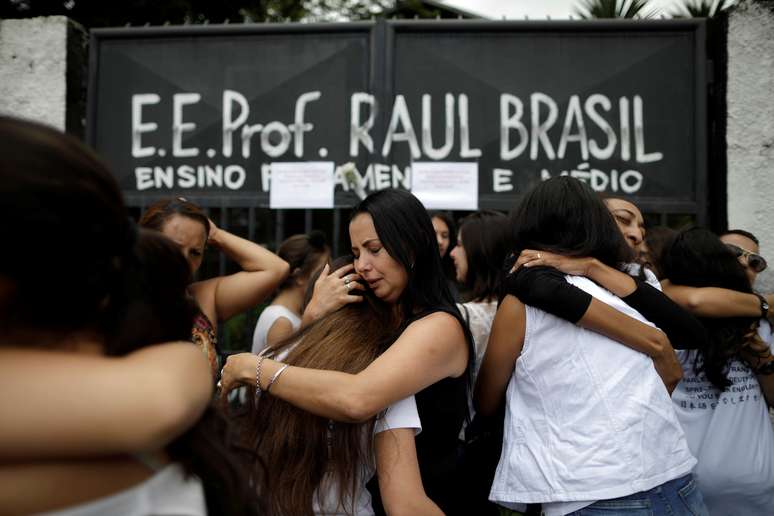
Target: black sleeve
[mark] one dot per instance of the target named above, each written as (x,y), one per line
(545,288)
(682,328)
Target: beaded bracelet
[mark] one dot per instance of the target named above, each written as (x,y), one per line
(258,377)
(276,376)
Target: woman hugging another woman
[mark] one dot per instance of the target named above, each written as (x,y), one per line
(589,425)
(326,464)
(96,420)
(428,356)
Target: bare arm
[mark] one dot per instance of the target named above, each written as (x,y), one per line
(715,302)
(429,350)
(279,331)
(262,271)
(400,482)
(60,405)
(505,342)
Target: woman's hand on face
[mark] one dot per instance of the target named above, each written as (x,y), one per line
(566,264)
(239,370)
(334,290)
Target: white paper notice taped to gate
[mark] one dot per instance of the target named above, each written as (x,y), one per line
(445,185)
(304,184)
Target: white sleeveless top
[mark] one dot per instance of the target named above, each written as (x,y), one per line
(587,418)
(167,493)
(267,318)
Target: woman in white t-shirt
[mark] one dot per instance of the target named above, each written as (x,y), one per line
(320,466)
(305,254)
(722,400)
(589,425)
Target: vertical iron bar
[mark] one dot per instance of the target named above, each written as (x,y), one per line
(222,223)
(279,228)
(308,221)
(336,231)
(251,223)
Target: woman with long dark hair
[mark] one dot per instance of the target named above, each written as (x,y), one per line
(397,257)
(562,382)
(327,474)
(483,244)
(721,401)
(221,297)
(446,235)
(94,434)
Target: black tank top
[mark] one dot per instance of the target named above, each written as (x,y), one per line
(442,408)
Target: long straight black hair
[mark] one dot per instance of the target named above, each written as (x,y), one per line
(564,215)
(446,260)
(405,230)
(698,258)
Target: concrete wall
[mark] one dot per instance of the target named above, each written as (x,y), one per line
(750,129)
(42,71)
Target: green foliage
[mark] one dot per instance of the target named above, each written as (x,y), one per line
(344,10)
(701,8)
(591,9)
(237,332)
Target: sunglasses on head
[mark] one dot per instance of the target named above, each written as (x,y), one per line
(755,261)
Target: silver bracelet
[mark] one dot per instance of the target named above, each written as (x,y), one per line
(276,376)
(258,377)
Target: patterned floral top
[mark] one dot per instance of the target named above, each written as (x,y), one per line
(203,335)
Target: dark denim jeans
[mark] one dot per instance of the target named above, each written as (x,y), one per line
(679,497)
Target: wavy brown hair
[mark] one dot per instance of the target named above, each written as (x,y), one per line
(302,446)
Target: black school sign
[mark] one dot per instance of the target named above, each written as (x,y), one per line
(204,111)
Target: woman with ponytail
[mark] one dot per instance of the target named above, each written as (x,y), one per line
(95,422)
(305,254)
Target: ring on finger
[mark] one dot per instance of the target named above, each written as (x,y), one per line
(347,280)
(349,286)
(538,256)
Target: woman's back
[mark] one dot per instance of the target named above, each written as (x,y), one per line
(586,418)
